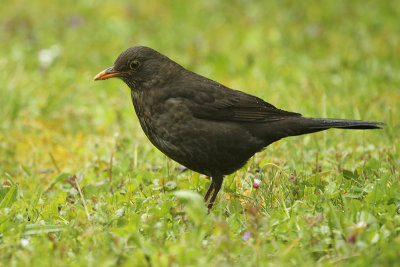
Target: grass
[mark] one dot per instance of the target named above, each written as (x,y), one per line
(82,186)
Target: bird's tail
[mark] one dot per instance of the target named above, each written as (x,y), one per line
(310,125)
(317,123)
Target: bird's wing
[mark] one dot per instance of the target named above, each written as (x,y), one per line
(213,101)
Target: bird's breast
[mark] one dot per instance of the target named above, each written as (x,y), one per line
(143,109)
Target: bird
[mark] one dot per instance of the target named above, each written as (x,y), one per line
(203,125)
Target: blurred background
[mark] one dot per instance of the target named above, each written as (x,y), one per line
(319,58)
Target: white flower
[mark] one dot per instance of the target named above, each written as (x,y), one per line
(24,242)
(257,183)
(47,56)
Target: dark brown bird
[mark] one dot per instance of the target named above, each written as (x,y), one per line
(202,124)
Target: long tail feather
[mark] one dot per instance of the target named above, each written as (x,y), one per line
(319,123)
(302,125)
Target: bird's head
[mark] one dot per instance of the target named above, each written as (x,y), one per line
(138,65)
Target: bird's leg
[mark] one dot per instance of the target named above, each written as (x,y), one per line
(216,182)
(208,194)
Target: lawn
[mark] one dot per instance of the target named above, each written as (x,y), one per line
(80,184)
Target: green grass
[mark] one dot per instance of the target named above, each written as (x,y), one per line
(330,198)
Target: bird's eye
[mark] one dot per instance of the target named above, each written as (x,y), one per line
(134,65)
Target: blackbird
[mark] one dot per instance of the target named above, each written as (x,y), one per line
(202,124)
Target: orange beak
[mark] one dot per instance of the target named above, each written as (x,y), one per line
(106,74)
